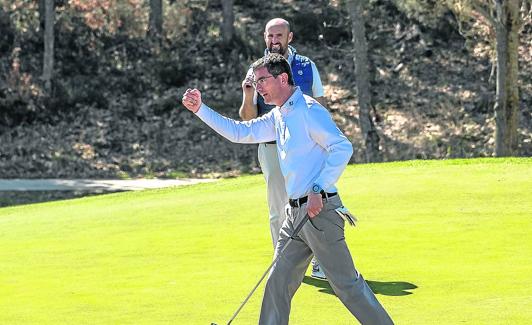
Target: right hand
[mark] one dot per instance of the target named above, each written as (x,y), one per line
(192,100)
(314,204)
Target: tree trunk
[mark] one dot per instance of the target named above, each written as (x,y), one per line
(507,93)
(155,27)
(48,62)
(42,15)
(369,132)
(228,29)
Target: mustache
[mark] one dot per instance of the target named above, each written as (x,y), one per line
(280,49)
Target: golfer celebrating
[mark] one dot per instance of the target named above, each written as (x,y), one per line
(313,153)
(277,37)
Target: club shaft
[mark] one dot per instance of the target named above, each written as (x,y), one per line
(296,231)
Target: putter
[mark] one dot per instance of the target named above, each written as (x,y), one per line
(296,231)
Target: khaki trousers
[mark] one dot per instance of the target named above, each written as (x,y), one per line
(277,197)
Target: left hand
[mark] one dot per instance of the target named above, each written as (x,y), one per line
(314,204)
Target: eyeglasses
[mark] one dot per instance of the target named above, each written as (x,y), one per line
(260,81)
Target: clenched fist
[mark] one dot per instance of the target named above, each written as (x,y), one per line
(192,100)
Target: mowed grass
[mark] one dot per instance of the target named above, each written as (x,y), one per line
(440,242)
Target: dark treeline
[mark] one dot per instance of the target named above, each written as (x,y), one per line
(92,88)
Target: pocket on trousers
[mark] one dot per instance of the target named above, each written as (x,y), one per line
(330,225)
(332,203)
(313,223)
(330,213)
(335,230)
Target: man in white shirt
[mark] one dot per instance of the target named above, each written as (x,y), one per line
(277,37)
(313,153)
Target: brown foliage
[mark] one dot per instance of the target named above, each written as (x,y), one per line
(115,110)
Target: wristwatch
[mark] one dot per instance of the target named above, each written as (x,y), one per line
(316,189)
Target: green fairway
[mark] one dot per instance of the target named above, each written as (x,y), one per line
(440,242)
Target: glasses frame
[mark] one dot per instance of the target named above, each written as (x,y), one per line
(261,81)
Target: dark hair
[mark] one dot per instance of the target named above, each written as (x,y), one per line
(276,64)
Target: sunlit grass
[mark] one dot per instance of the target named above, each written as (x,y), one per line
(441,242)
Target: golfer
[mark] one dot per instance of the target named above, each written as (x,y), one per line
(277,36)
(313,153)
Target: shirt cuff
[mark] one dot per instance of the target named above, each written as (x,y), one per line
(201,111)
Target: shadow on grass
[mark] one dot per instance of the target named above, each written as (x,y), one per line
(391,288)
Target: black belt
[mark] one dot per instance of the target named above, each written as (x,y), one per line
(270,142)
(295,203)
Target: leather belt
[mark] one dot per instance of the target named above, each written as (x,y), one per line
(296,203)
(270,142)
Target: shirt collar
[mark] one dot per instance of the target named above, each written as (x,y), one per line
(291,102)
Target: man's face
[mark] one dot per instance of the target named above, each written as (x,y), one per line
(267,85)
(277,38)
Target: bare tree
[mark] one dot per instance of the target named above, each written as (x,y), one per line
(369,132)
(42,6)
(155,26)
(505,19)
(507,27)
(48,62)
(228,29)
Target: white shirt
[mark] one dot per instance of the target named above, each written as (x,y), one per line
(311,148)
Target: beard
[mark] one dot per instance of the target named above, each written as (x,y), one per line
(277,48)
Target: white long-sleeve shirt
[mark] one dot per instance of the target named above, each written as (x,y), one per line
(311,148)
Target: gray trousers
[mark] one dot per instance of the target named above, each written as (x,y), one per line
(323,236)
(277,197)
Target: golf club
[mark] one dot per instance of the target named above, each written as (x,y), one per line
(296,231)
